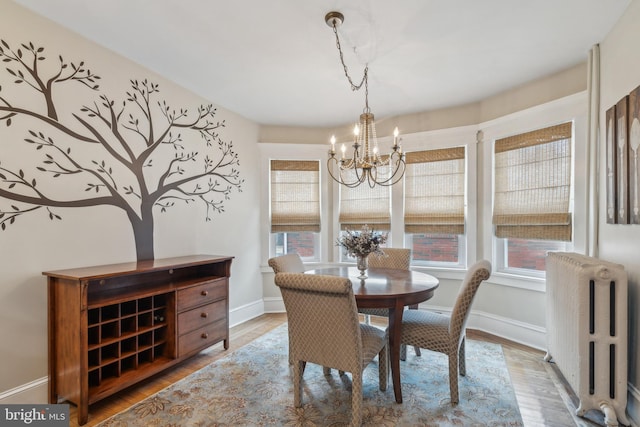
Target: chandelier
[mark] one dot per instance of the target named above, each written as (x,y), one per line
(366,163)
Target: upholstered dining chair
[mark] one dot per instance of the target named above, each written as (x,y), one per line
(393,258)
(396,258)
(324,329)
(289,263)
(446,333)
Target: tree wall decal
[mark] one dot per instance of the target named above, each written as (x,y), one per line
(131,166)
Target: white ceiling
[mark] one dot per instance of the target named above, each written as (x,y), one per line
(276,62)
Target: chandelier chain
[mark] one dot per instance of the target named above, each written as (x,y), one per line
(365,79)
(366,163)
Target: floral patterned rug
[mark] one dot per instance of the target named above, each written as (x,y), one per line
(252,387)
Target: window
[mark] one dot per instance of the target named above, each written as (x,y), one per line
(363,205)
(434,206)
(295,207)
(532,196)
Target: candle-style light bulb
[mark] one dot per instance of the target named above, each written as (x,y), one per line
(333,144)
(395,137)
(343,149)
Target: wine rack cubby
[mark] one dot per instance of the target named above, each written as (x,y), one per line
(124,337)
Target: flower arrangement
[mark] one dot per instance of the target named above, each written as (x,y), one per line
(362,243)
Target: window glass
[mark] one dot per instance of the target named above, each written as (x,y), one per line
(303,243)
(444,250)
(523,254)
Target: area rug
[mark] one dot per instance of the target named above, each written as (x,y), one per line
(252,387)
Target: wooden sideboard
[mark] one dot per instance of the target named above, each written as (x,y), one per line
(111,326)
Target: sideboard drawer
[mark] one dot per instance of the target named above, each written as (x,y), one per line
(201,316)
(202,294)
(202,338)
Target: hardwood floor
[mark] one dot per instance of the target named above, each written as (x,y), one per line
(543,396)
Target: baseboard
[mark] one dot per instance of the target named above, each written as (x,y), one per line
(246,312)
(274,305)
(34,392)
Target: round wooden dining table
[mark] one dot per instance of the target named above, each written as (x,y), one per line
(391,289)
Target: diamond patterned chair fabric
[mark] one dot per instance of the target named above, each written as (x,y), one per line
(289,263)
(394,258)
(324,329)
(446,333)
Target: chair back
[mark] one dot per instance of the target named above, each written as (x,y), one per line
(478,272)
(395,258)
(289,263)
(323,320)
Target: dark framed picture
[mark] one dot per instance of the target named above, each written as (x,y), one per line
(634,155)
(612,209)
(622,162)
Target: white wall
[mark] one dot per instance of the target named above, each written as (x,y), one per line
(102,234)
(620,74)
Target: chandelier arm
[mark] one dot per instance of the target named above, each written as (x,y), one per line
(397,169)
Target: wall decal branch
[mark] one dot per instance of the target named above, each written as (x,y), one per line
(146,155)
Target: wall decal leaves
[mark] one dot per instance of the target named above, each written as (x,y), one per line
(118,132)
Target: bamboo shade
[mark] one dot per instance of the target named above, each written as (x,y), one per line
(532,185)
(365,205)
(434,192)
(295,196)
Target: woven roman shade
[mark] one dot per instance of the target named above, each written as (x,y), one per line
(365,205)
(295,196)
(533,184)
(434,191)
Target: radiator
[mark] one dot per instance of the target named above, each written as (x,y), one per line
(586,317)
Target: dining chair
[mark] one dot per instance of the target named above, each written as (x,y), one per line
(289,263)
(393,258)
(324,329)
(446,333)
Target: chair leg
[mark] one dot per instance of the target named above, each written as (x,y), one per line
(403,352)
(416,348)
(383,368)
(356,398)
(298,369)
(462,364)
(453,377)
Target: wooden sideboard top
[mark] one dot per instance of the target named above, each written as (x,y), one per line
(128,268)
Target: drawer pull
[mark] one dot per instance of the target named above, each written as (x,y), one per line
(204,293)
(204,315)
(204,336)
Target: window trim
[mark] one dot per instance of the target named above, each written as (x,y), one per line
(286,151)
(571,108)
